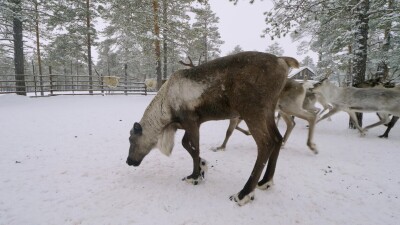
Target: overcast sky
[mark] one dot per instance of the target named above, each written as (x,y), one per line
(242,24)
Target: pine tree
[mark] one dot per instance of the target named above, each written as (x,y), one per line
(275,49)
(174,29)
(71,34)
(308,62)
(339,31)
(206,38)
(235,50)
(17,18)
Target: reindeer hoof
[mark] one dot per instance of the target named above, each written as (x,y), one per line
(313,148)
(196,180)
(244,200)
(203,167)
(266,185)
(217,149)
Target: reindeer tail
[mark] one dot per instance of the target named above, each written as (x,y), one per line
(291,62)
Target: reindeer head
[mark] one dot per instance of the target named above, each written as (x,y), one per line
(320,86)
(325,89)
(321,81)
(140,145)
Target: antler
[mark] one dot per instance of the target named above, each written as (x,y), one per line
(187,64)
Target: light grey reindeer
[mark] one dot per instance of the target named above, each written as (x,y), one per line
(310,101)
(392,122)
(291,103)
(351,100)
(245,85)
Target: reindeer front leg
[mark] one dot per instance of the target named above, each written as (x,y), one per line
(353,116)
(190,142)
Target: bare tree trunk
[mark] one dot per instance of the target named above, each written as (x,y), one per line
(387,44)
(89,46)
(165,44)
(360,46)
(361,42)
(18,49)
(39,59)
(349,68)
(157,43)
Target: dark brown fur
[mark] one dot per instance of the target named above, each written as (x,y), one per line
(291,103)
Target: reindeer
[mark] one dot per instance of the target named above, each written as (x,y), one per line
(245,85)
(375,83)
(291,103)
(351,100)
(392,121)
(389,126)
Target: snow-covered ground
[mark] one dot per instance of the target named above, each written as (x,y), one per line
(63,162)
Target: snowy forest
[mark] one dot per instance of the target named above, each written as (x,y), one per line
(355,40)
(72,138)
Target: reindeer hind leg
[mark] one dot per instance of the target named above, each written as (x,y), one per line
(267,181)
(311,119)
(268,140)
(289,126)
(384,118)
(232,125)
(390,125)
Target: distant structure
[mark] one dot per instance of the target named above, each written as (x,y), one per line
(302,74)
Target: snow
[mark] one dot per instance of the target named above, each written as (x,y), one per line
(63,162)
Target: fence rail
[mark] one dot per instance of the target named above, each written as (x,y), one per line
(64,84)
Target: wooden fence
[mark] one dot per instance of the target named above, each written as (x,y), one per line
(64,84)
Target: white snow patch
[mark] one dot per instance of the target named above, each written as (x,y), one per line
(63,162)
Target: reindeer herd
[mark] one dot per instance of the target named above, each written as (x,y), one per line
(248,86)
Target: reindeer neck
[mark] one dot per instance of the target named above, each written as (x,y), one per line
(157,115)
(332,93)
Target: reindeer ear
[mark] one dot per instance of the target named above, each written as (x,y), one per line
(137,129)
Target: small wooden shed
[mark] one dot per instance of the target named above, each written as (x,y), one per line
(302,73)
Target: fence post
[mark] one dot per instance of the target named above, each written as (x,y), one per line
(126,79)
(102,83)
(65,78)
(41,83)
(34,77)
(51,81)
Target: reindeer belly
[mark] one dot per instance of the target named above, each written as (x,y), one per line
(376,100)
(215,108)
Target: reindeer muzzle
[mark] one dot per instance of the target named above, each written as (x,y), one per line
(131,162)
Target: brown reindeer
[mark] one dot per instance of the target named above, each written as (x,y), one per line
(246,84)
(291,103)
